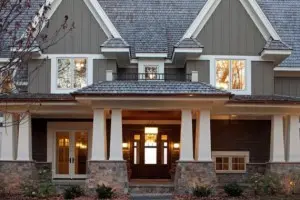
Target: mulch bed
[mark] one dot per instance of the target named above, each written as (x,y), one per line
(187,197)
(18,197)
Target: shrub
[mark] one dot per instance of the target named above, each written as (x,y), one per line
(30,188)
(72,192)
(104,192)
(269,184)
(202,191)
(233,190)
(291,183)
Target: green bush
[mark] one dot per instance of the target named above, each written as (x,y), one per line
(73,192)
(268,184)
(233,190)
(202,191)
(104,192)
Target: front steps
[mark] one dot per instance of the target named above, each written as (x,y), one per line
(143,189)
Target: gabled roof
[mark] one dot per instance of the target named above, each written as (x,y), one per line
(120,88)
(115,43)
(189,43)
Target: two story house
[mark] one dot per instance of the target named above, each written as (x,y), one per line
(193,91)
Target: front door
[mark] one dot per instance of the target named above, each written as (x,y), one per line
(151,156)
(71,152)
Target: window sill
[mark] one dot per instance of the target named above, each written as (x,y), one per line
(231,172)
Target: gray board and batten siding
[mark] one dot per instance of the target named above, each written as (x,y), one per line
(288,86)
(231,31)
(87,36)
(39,74)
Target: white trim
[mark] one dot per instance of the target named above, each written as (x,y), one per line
(151,55)
(112,50)
(52,128)
(102,18)
(90,64)
(204,15)
(252,8)
(92,56)
(260,19)
(188,50)
(288,69)
(210,57)
(230,154)
(276,52)
(248,72)
(4,60)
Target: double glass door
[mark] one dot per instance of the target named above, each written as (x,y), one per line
(71,152)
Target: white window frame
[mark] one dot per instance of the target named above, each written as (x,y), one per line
(230,154)
(54,72)
(248,72)
(142,64)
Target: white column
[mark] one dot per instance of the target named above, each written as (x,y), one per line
(99,136)
(277,141)
(25,138)
(293,140)
(116,151)
(8,140)
(203,136)
(186,136)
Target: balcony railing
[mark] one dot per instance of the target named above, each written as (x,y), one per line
(152,76)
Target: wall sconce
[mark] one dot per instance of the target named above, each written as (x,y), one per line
(176,146)
(125,145)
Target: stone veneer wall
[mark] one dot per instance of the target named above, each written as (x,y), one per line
(283,168)
(190,174)
(241,178)
(14,173)
(109,173)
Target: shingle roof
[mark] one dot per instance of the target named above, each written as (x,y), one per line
(264,99)
(152,26)
(120,88)
(25,97)
(276,45)
(189,43)
(284,15)
(115,43)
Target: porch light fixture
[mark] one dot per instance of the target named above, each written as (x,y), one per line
(125,145)
(176,146)
(151,130)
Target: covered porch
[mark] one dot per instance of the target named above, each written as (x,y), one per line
(186,140)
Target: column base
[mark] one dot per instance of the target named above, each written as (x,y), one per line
(192,173)
(283,167)
(14,173)
(109,173)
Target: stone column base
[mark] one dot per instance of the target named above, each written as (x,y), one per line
(283,168)
(109,173)
(14,173)
(192,173)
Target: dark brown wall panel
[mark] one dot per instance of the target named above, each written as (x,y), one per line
(243,135)
(39,140)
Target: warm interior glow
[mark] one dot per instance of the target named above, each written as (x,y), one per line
(176,145)
(80,145)
(125,145)
(151,130)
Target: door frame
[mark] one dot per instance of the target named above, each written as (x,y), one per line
(52,128)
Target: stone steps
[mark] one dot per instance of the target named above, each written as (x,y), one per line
(151,196)
(151,188)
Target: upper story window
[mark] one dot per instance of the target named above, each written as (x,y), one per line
(6,81)
(151,72)
(71,73)
(231,74)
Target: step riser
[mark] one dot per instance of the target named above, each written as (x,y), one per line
(151,189)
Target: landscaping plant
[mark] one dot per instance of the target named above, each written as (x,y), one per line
(202,191)
(233,190)
(104,192)
(73,192)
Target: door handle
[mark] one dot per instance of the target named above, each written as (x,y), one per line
(73,160)
(70,160)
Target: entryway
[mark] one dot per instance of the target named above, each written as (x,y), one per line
(71,154)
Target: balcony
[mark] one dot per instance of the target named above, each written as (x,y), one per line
(152,77)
